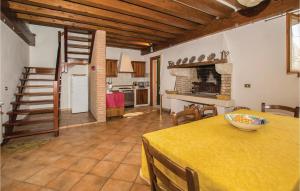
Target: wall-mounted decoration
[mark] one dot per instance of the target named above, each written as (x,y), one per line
(211,57)
(178,61)
(201,58)
(171,63)
(185,60)
(224,55)
(192,59)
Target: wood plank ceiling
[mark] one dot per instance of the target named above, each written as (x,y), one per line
(141,24)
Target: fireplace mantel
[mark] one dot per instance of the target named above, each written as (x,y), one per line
(202,100)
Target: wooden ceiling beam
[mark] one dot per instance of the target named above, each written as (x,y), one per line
(138,43)
(126,38)
(274,8)
(123,46)
(101,13)
(34,10)
(211,7)
(61,23)
(137,11)
(174,8)
(18,26)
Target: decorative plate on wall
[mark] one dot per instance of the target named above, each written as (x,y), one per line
(211,57)
(178,61)
(201,58)
(185,60)
(171,63)
(192,59)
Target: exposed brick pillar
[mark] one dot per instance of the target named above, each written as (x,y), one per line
(97,78)
(226,84)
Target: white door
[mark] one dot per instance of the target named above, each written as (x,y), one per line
(79,94)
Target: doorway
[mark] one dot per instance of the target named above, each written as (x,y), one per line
(155,81)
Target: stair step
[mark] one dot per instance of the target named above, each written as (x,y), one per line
(25,133)
(30,111)
(36,86)
(81,39)
(79,46)
(35,94)
(27,122)
(33,102)
(78,59)
(31,79)
(77,63)
(74,52)
(33,67)
(40,73)
(78,31)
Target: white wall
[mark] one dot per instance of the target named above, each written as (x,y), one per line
(43,54)
(14,56)
(125,78)
(258,54)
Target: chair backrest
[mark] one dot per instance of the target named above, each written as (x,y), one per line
(186,174)
(240,107)
(208,111)
(295,110)
(185,116)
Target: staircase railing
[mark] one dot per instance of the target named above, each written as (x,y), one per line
(56,87)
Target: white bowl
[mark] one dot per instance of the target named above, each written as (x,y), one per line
(245,122)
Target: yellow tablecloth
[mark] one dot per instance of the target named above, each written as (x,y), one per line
(227,159)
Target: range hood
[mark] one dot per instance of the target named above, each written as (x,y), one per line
(125,64)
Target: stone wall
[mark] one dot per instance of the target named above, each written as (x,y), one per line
(226,84)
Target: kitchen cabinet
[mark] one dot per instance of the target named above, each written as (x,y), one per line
(111,68)
(141,96)
(139,69)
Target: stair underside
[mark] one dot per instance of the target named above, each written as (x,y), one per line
(30,111)
(33,102)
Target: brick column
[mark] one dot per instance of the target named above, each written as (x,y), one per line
(97,77)
(226,84)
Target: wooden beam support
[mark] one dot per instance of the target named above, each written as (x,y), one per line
(39,11)
(155,10)
(101,13)
(126,38)
(116,45)
(69,24)
(211,7)
(137,11)
(18,26)
(138,43)
(274,8)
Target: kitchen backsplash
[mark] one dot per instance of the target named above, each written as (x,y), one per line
(126,79)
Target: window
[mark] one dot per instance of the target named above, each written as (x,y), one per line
(293,43)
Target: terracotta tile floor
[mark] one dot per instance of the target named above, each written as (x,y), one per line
(103,157)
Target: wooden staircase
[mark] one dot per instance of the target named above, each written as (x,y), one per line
(78,46)
(38,92)
(29,101)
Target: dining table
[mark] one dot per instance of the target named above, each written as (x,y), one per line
(229,159)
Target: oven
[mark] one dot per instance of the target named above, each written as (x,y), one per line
(128,96)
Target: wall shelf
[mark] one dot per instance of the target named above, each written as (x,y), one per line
(197,64)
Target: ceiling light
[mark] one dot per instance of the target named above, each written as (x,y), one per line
(249,3)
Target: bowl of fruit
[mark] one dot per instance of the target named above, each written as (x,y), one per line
(245,122)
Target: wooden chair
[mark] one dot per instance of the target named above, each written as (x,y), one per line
(240,107)
(295,110)
(186,174)
(208,111)
(185,116)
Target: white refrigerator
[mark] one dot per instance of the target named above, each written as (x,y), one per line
(79,93)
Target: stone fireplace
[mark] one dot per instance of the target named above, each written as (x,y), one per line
(209,80)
